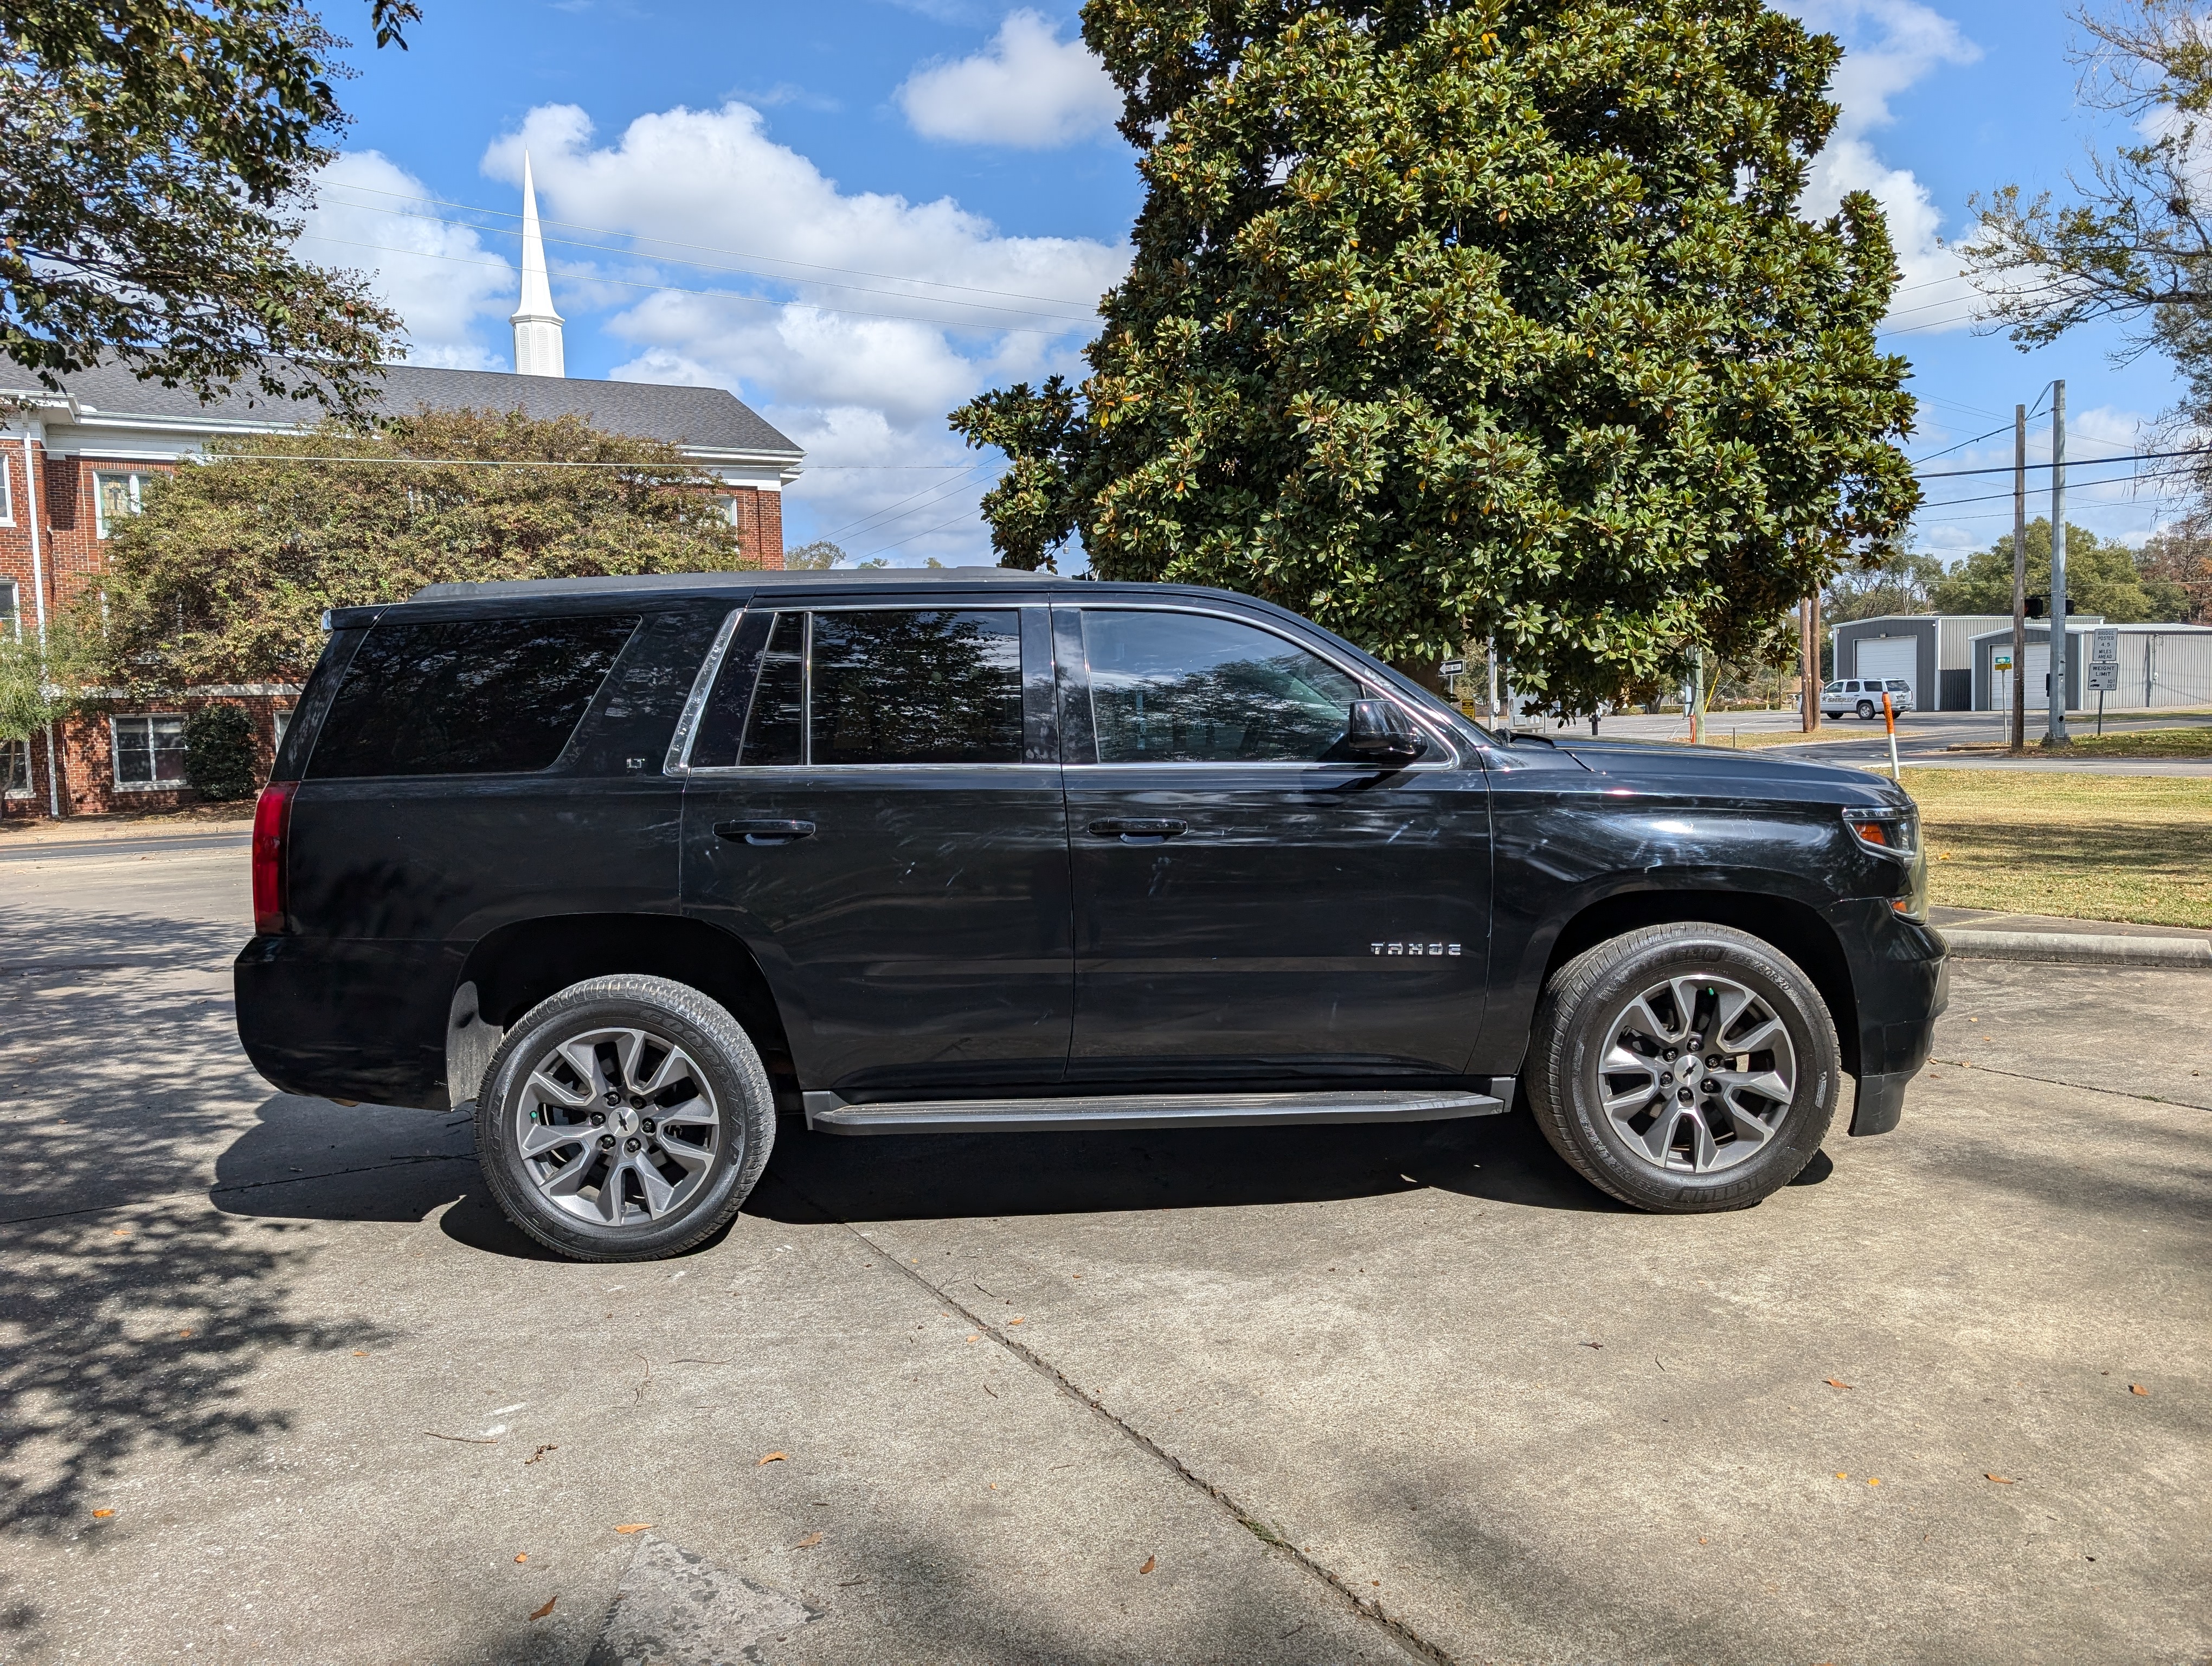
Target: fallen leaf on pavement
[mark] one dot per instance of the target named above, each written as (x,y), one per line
(361,1353)
(523,1557)
(2001,1481)
(633,1527)
(1834,1383)
(1840,1475)
(775,1458)
(808,1543)
(1010,1323)
(1151,1562)
(541,1612)
(1592,1345)
(974,1339)
(184,1333)
(550,1446)
(122,1231)
(2137,1388)
(1874,1480)
(101,1515)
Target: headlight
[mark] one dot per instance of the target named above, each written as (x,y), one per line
(1886,830)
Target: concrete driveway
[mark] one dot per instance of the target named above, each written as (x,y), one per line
(276,1384)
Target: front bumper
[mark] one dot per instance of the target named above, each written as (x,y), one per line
(1900,984)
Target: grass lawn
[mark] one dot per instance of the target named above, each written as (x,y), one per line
(2087,847)
(2144,743)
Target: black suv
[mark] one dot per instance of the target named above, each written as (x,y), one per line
(633,864)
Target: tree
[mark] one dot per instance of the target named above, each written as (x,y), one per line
(222,762)
(224,577)
(1461,319)
(2181,556)
(816,557)
(2102,577)
(42,680)
(2133,243)
(157,152)
(1902,584)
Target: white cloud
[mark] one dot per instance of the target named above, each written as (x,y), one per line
(1027,88)
(438,276)
(853,321)
(1890,46)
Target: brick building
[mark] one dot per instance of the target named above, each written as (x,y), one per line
(73,463)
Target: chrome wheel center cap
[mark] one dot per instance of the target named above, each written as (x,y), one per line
(623,1121)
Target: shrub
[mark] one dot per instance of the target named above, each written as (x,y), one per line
(221,760)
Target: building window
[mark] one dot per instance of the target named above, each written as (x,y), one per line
(11,610)
(6,493)
(15,769)
(726,507)
(114,497)
(149,752)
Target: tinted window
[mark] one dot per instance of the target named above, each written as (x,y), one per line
(917,686)
(774,730)
(1179,688)
(489,695)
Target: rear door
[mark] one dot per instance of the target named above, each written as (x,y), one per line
(1251,902)
(873,805)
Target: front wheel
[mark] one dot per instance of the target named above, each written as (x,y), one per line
(624,1119)
(1866,709)
(1684,1068)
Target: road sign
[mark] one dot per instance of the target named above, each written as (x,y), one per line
(2104,676)
(2001,662)
(2105,645)
(1452,668)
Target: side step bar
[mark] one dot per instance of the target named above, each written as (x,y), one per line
(833,1115)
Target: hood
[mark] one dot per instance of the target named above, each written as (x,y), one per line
(1667,766)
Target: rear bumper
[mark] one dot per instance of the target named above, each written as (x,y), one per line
(1900,984)
(347,1018)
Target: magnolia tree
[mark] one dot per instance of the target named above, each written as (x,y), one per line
(1456,321)
(224,577)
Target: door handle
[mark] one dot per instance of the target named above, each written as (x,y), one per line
(1135,829)
(764,832)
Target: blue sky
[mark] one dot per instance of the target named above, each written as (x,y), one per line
(856,213)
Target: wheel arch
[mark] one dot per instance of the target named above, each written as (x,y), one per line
(519,964)
(1782,922)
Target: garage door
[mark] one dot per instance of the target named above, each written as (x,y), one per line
(1886,657)
(2039,680)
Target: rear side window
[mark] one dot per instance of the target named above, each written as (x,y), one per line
(913,686)
(466,696)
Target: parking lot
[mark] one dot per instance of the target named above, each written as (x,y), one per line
(278,1384)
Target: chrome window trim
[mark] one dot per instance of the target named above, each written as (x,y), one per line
(678,761)
(787,770)
(1419,718)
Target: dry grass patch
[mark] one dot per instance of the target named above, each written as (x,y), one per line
(2086,847)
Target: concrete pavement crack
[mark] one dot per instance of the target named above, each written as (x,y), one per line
(1397,1630)
(2081,1087)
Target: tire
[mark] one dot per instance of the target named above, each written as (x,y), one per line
(1677,1156)
(1866,709)
(631,1186)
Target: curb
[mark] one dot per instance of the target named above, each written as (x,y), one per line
(2084,949)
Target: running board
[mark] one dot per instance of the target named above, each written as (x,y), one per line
(833,1115)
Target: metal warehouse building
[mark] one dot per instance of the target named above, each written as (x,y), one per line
(2161,665)
(1932,652)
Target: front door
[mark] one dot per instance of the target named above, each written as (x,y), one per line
(1252,902)
(874,806)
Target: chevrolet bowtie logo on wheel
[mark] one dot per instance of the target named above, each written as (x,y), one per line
(1413,948)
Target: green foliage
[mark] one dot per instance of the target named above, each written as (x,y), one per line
(224,577)
(2102,577)
(818,556)
(41,685)
(1450,319)
(1902,584)
(157,154)
(222,760)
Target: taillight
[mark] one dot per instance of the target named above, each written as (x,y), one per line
(272,820)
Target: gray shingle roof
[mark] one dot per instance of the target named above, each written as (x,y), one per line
(709,417)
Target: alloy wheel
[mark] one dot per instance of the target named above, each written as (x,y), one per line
(1696,1073)
(617,1127)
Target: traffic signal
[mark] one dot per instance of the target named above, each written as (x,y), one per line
(2037,605)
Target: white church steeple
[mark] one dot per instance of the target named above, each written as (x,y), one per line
(537,326)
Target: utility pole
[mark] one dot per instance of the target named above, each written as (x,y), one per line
(2019,577)
(2057,736)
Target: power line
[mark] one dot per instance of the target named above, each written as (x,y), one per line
(2129,456)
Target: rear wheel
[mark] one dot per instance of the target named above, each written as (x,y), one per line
(624,1119)
(1866,709)
(1684,1068)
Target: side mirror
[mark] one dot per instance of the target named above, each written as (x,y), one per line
(1379,731)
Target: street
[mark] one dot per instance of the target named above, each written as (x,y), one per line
(279,1384)
(1925,737)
